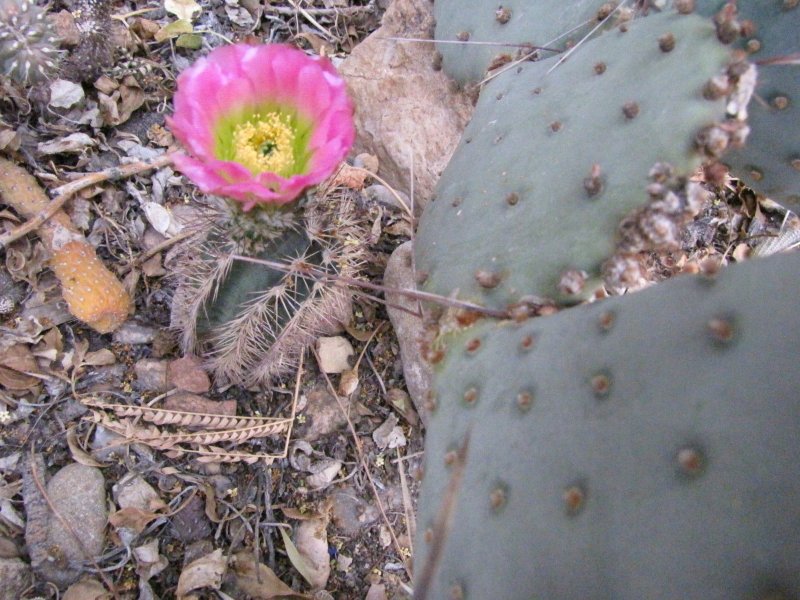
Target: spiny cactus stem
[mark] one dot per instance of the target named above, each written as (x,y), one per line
(66,191)
(308,271)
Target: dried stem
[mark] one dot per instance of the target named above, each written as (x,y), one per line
(310,272)
(66,191)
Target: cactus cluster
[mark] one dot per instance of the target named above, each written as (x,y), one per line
(642,446)
(28,46)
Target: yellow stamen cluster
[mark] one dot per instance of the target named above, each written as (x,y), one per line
(265,143)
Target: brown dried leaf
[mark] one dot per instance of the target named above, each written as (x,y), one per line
(131,98)
(132,518)
(15,364)
(348,382)
(100,358)
(257,580)
(205,572)
(87,589)
(311,542)
(78,453)
(350,177)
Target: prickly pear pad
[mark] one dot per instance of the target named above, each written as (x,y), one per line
(516,198)
(641,447)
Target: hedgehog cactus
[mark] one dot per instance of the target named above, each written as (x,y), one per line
(261,124)
(28,51)
(254,321)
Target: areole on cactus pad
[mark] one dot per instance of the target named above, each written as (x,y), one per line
(261,123)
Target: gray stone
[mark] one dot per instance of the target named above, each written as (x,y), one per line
(405,109)
(78,496)
(408,328)
(131,332)
(15,576)
(323,415)
(151,375)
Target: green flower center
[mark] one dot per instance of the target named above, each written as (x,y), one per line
(265,144)
(265,138)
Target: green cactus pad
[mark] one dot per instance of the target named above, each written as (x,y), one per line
(551,23)
(517,199)
(645,446)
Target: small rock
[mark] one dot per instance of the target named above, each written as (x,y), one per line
(408,328)
(381,194)
(132,491)
(198,404)
(65,28)
(367,161)
(377,591)
(15,576)
(187,374)
(389,434)
(351,513)
(334,354)
(106,444)
(323,415)
(151,375)
(77,494)
(87,589)
(64,94)
(134,333)
(405,114)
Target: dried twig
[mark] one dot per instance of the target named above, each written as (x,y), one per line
(310,272)
(66,191)
(345,11)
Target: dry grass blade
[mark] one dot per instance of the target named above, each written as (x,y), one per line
(158,438)
(177,418)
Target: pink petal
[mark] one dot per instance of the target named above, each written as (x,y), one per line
(238,77)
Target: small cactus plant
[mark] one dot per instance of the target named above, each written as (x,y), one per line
(254,321)
(261,125)
(28,46)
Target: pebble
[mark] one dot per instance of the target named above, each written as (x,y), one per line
(187,373)
(16,577)
(323,415)
(134,333)
(77,494)
(408,328)
(151,375)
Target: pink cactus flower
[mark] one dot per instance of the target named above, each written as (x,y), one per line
(261,123)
